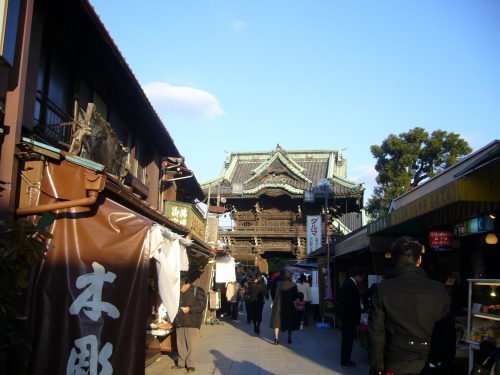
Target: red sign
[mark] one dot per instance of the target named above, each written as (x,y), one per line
(440,238)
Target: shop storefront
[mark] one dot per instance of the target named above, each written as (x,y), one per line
(455,216)
(108,273)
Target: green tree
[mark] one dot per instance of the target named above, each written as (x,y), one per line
(404,161)
(21,245)
(275,264)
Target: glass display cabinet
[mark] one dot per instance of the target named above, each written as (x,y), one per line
(483,317)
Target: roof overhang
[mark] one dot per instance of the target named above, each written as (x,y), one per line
(352,242)
(473,162)
(491,156)
(459,199)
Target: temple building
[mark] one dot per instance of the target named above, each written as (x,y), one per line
(264,193)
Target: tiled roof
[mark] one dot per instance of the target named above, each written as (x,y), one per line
(293,171)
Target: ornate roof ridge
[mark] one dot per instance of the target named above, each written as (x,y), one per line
(288,152)
(274,184)
(279,154)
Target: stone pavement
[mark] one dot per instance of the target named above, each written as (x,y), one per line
(233,348)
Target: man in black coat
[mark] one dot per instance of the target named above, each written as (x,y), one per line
(349,311)
(410,326)
(187,323)
(284,315)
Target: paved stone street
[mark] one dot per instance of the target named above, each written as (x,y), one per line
(233,348)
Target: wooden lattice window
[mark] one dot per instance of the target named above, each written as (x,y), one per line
(279,223)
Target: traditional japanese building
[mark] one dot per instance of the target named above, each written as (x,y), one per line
(263,192)
(80,139)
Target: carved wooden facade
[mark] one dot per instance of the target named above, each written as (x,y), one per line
(264,194)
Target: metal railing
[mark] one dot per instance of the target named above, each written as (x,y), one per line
(262,229)
(49,119)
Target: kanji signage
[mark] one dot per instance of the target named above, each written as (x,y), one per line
(314,233)
(441,238)
(183,213)
(89,295)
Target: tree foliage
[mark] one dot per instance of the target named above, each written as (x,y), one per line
(404,161)
(275,264)
(21,244)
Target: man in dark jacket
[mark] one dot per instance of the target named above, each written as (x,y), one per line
(349,311)
(187,323)
(410,327)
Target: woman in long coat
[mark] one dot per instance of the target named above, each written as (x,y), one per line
(258,291)
(284,316)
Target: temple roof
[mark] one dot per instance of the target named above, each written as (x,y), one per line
(252,173)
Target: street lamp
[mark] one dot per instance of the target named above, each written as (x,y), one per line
(324,186)
(309,196)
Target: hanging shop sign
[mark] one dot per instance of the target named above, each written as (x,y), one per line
(440,238)
(183,213)
(88,297)
(476,225)
(314,234)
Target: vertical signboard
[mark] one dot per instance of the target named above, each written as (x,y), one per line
(183,213)
(212,230)
(314,234)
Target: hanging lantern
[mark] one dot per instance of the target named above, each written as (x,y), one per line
(491,238)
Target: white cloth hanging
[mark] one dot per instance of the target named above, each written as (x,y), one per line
(225,271)
(171,258)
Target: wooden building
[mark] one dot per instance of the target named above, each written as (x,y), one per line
(263,192)
(79,138)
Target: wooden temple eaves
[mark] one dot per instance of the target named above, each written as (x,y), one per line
(246,174)
(263,192)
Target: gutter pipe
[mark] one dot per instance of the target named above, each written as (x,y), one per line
(94,184)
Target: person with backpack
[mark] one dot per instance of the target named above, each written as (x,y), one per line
(304,287)
(300,307)
(187,322)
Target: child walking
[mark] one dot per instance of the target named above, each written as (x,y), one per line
(300,307)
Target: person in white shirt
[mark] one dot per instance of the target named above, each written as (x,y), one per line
(304,287)
(232,293)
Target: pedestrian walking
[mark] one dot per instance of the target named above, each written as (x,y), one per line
(410,326)
(232,293)
(349,311)
(258,295)
(277,277)
(284,317)
(187,324)
(245,296)
(300,307)
(305,288)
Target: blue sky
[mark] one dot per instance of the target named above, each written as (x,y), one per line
(325,74)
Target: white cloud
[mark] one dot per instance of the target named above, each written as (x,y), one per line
(179,101)
(238,25)
(364,174)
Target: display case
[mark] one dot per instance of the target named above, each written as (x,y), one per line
(483,318)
